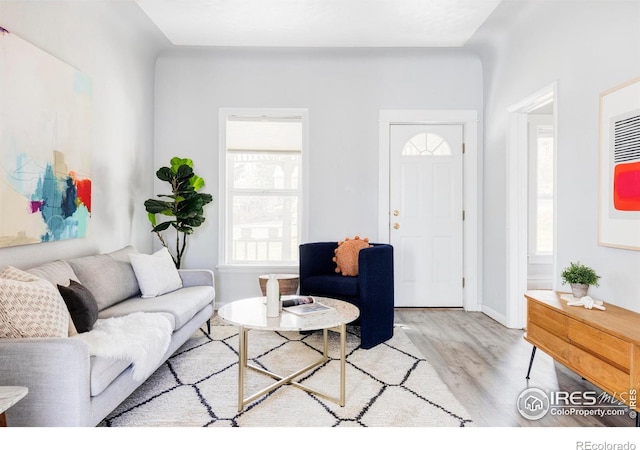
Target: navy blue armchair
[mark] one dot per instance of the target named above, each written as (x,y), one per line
(371,291)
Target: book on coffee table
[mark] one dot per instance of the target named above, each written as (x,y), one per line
(304,305)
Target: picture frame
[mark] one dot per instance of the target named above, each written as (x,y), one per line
(619,167)
(46,145)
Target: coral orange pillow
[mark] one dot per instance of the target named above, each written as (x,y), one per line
(346,258)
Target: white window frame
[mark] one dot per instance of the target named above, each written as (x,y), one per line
(535,124)
(223,241)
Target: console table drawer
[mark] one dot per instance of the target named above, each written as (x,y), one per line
(600,343)
(546,318)
(599,372)
(547,341)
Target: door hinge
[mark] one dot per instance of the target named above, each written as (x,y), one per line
(463,215)
(464,148)
(463,282)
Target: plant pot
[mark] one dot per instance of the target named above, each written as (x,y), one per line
(579,290)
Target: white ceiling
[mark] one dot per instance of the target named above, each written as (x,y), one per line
(319,23)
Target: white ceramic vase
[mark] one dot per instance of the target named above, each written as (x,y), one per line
(273,296)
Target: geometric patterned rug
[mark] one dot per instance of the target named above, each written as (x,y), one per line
(390,385)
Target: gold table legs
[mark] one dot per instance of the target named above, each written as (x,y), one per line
(243,366)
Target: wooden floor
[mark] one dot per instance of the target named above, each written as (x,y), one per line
(485,364)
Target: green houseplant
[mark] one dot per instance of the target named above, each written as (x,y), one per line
(184,206)
(579,277)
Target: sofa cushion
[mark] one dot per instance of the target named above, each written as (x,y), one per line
(182,304)
(104,371)
(109,277)
(82,305)
(332,285)
(157,274)
(55,272)
(30,306)
(123,254)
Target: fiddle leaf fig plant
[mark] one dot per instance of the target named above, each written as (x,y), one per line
(184,206)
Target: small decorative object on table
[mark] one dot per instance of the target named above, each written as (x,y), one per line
(580,277)
(273,297)
(588,303)
(303,305)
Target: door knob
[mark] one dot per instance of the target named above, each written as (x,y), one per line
(396,213)
(396,225)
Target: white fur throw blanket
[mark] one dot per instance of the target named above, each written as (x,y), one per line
(141,338)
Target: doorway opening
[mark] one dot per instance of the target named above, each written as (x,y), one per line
(531,178)
(540,249)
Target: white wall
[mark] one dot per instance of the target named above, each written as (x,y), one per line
(116,45)
(587,47)
(343,89)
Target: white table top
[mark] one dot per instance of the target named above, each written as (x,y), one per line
(252,313)
(10,395)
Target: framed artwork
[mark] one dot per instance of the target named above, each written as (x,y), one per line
(619,180)
(45,145)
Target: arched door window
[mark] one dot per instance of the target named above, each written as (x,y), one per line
(426,144)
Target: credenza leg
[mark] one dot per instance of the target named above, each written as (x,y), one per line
(533,354)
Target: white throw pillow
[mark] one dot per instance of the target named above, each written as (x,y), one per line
(156,274)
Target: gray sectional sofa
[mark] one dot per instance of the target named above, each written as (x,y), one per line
(68,386)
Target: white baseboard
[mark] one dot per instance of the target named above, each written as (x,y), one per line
(498,317)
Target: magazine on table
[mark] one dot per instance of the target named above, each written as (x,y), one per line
(303,305)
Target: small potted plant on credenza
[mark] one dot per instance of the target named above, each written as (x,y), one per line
(579,277)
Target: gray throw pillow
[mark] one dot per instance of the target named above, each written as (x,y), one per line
(82,305)
(109,280)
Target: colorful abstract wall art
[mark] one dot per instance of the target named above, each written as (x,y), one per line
(619,184)
(45,146)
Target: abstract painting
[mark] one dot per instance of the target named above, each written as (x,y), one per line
(45,146)
(619,185)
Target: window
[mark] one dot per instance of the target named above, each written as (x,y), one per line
(426,144)
(541,191)
(263,155)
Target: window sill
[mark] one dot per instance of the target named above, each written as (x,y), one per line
(258,269)
(540,259)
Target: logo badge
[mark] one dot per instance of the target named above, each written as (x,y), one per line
(533,404)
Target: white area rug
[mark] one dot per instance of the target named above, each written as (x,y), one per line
(391,385)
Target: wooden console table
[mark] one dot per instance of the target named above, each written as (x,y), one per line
(601,346)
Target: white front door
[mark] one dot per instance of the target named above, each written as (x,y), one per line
(425,163)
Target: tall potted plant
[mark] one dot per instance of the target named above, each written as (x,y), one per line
(184,206)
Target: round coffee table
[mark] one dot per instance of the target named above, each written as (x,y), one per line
(251,314)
